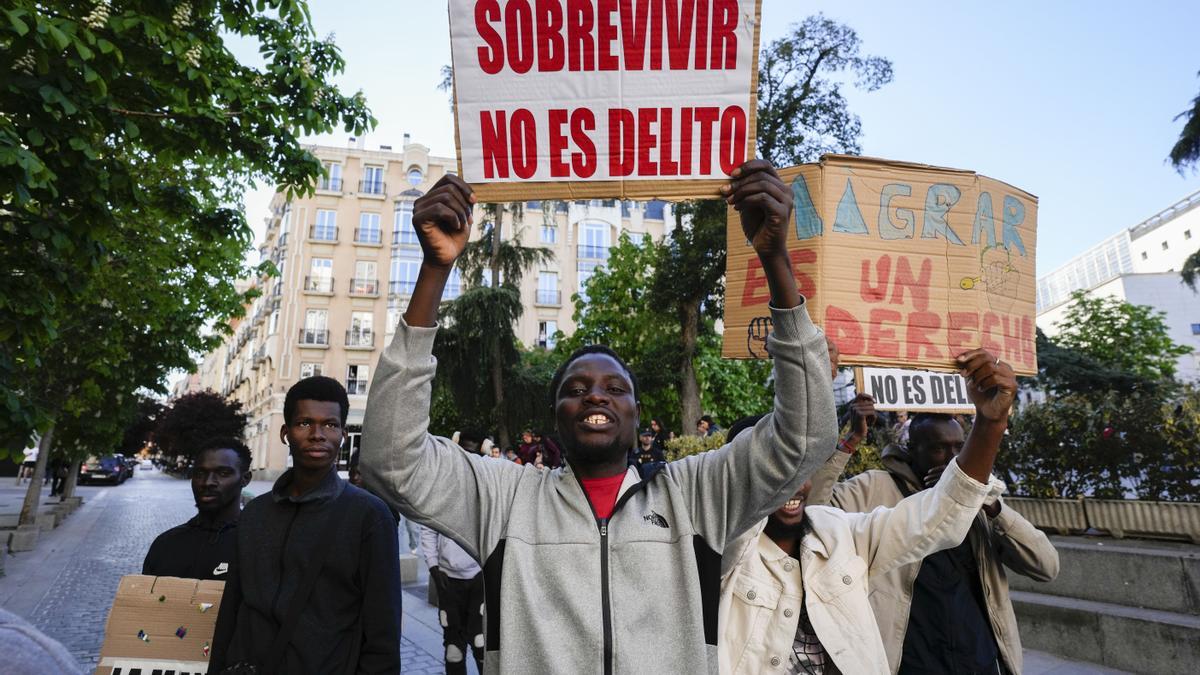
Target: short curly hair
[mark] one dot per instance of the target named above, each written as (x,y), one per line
(316,388)
(228,443)
(556,382)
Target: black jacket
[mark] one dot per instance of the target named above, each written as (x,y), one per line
(194,551)
(357,592)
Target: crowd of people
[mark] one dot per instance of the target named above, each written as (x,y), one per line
(587,551)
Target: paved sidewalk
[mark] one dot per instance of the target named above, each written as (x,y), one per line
(66,585)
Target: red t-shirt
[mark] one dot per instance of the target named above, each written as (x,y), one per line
(602,492)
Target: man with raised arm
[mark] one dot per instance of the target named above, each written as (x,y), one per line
(596,567)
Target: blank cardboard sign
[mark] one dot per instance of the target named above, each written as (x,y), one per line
(903,265)
(558,99)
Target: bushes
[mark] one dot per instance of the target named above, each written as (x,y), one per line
(1106,445)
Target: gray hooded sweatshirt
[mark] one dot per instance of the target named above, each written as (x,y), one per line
(566,592)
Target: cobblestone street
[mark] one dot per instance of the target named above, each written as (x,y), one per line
(66,586)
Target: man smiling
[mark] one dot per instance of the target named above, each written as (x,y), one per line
(596,567)
(317,584)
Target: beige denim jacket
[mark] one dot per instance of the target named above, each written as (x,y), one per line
(1008,540)
(762,587)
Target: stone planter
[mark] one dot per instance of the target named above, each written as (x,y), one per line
(1061,515)
(1175,520)
(46,520)
(24,538)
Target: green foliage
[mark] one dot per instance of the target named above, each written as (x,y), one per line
(1186,150)
(141,430)
(1106,445)
(195,418)
(127,132)
(731,389)
(1191,270)
(1120,336)
(801,111)
(683,446)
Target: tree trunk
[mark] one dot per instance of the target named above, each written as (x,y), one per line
(689,388)
(68,490)
(497,374)
(33,495)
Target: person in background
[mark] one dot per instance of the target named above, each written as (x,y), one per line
(315,556)
(551,453)
(646,451)
(949,612)
(528,447)
(660,434)
(706,426)
(205,547)
(795,590)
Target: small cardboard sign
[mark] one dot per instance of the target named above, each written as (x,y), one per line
(160,624)
(903,265)
(914,390)
(559,99)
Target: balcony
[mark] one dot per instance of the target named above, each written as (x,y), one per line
(277,290)
(360,339)
(319,285)
(376,188)
(548,298)
(401,287)
(357,386)
(365,287)
(330,185)
(590,252)
(368,237)
(323,233)
(314,337)
(405,237)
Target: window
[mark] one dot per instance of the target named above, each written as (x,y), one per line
(549,233)
(415,176)
(356,379)
(368,229)
(315,331)
(403,274)
(546,331)
(453,285)
(585,271)
(1165,245)
(533,206)
(1187,234)
(655,209)
(547,292)
(395,308)
(403,232)
(332,180)
(1196,329)
(372,182)
(361,333)
(273,323)
(320,276)
(1145,255)
(365,281)
(593,241)
(326,227)
(309,369)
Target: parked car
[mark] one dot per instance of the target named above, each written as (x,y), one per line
(107,469)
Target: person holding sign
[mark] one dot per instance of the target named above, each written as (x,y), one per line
(948,611)
(596,567)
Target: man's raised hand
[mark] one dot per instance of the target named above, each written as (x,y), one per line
(442,219)
(991,384)
(764,203)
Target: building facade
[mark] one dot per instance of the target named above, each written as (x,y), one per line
(1139,265)
(347,260)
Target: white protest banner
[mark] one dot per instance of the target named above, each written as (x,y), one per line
(914,390)
(563,99)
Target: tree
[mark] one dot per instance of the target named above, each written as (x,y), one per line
(1120,336)
(141,431)
(480,333)
(801,111)
(138,113)
(1186,152)
(194,418)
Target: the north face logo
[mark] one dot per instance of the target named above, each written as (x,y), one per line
(656,520)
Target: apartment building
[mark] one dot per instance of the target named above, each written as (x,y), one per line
(1139,265)
(347,260)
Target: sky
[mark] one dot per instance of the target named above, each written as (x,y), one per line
(1071,101)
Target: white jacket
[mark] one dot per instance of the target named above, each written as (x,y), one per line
(440,551)
(762,587)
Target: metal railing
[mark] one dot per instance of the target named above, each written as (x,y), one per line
(546,297)
(368,236)
(401,287)
(372,187)
(322,233)
(318,284)
(364,287)
(314,336)
(405,237)
(360,338)
(330,184)
(357,386)
(592,252)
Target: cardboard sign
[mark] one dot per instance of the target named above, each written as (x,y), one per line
(566,99)
(914,390)
(903,265)
(160,624)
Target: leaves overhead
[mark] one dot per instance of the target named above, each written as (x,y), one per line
(192,419)
(1120,336)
